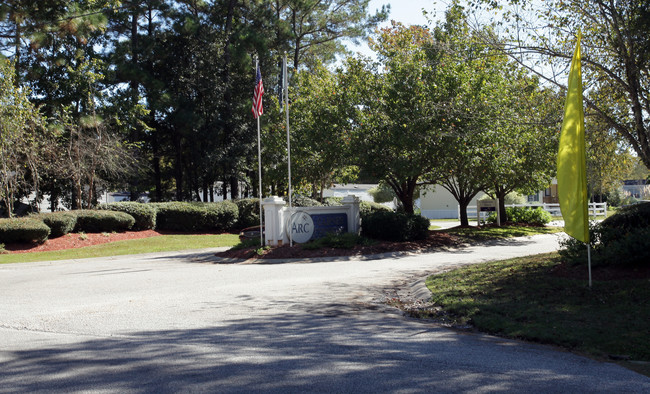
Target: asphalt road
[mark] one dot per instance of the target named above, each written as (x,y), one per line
(182,322)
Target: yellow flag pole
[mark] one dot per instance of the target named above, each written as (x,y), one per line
(571,160)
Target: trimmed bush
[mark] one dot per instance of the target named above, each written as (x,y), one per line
(621,239)
(179,216)
(249,212)
(303,201)
(144,214)
(394,226)
(367,207)
(332,201)
(219,216)
(29,229)
(632,216)
(196,216)
(60,223)
(524,215)
(94,221)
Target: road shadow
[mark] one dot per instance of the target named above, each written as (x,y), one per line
(328,348)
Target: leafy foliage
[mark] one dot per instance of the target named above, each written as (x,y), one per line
(249,212)
(621,239)
(19,140)
(23,230)
(615,60)
(144,214)
(524,215)
(394,226)
(60,223)
(96,221)
(183,216)
(337,241)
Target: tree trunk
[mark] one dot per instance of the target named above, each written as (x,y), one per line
(464,220)
(500,194)
(234,188)
(53,200)
(224,190)
(178,167)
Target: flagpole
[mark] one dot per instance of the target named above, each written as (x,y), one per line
(259,167)
(285,93)
(589,261)
(259,172)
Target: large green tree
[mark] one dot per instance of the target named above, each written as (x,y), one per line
(398,106)
(321,132)
(615,55)
(20,143)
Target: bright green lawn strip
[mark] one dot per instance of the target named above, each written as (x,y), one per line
(163,243)
(518,298)
(503,232)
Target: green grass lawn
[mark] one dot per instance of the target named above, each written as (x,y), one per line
(487,233)
(163,243)
(520,298)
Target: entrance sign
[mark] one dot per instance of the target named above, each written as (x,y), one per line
(488,206)
(302,227)
(329,223)
(307,223)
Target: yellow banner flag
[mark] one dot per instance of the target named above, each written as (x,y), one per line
(571,158)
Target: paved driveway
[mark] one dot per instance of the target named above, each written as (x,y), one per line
(183,323)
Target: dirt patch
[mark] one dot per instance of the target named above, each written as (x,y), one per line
(434,240)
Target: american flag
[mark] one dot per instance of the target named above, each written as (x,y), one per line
(257,95)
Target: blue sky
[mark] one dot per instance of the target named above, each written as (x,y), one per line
(408,12)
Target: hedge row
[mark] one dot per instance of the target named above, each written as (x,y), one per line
(394,226)
(60,223)
(621,239)
(196,216)
(28,229)
(144,214)
(37,228)
(524,215)
(172,216)
(91,221)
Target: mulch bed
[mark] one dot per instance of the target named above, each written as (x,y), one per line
(78,240)
(434,240)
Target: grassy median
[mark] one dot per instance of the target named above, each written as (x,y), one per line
(526,298)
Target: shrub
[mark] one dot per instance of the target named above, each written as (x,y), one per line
(632,216)
(196,216)
(394,226)
(94,221)
(303,201)
(60,223)
(524,215)
(219,216)
(249,212)
(621,239)
(367,207)
(179,216)
(333,201)
(337,241)
(143,213)
(28,229)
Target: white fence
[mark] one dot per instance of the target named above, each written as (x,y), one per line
(595,209)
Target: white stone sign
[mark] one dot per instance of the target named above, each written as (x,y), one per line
(302,227)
